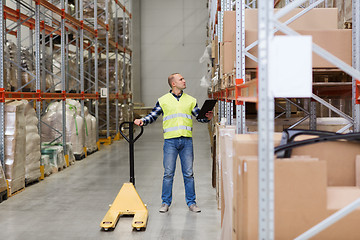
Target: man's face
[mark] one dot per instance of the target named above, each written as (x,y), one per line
(179,82)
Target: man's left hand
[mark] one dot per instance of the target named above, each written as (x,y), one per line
(209,115)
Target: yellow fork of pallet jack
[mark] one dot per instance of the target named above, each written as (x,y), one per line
(127,202)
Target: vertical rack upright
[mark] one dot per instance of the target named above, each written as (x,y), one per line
(2,89)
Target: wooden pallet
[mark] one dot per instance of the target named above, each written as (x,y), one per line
(57,169)
(79,157)
(16,192)
(3,196)
(33,181)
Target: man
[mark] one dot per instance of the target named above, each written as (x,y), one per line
(176,107)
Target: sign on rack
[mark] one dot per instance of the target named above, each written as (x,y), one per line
(290,67)
(103,92)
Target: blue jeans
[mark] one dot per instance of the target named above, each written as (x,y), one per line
(182,146)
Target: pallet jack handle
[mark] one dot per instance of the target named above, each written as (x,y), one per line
(131,142)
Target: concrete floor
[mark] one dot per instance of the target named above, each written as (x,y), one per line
(71,204)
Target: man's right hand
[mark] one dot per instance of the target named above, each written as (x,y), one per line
(138,122)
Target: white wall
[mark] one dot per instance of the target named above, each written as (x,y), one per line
(173,38)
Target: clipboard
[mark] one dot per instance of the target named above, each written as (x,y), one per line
(207,106)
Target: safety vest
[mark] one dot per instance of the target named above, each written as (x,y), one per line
(177,120)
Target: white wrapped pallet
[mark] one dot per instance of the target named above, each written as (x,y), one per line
(3,185)
(51,120)
(94,138)
(58,160)
(32,152)
(45,161)
(70,153)
(88,129)
(56,156)
(75,128)
(15,133)
(90,132)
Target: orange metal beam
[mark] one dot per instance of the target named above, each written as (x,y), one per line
(70,19)
(101,23)
(46,96)
(13,15)
(122,49)
(242,92)
(357,100)
(123,8)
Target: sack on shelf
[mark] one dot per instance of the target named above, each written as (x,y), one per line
(32,150)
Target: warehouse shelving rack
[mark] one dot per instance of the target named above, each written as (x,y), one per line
(267,21)
(47,23)
(112,49)
(309,112)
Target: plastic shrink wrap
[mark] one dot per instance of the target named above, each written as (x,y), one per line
(56,156)
(72,74)
(75,125)
(226,157)
(3,185)
(10,74)
(89,15)
(94,136)
(123,32)
(74,128)
(70,153)
(75,132)
(32,151)
(90,131)
(51,123)
(15,134)
(45,161)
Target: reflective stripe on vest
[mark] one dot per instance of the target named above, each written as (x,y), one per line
(184,115)
(177,128)
(177,119)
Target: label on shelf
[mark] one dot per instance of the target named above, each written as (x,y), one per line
(103,92)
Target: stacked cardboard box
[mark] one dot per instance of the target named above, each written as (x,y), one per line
(315,183)
(320,23)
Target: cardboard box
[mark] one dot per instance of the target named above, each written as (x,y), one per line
(229,25)
(227,58)
(225,136)
(302,197)
(338,42)
(340,197)
(216,61)
(357,171)
(295,211)
(218,167)
(213,47)
(221,60)
(340,158)
(247,144)
(316,19)
(347,227)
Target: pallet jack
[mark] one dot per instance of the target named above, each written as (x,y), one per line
(128,201)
